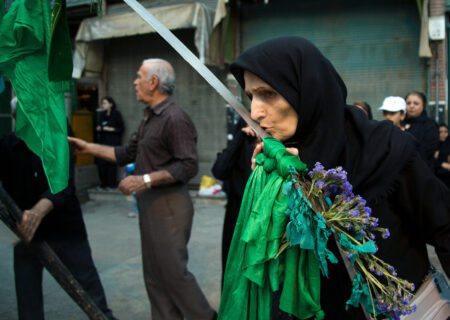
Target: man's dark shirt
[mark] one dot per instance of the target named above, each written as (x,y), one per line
(23,177)
(166,140)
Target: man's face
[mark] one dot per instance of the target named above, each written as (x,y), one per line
(141,84)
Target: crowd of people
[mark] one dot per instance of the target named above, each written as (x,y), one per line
(409,115)
(299,100)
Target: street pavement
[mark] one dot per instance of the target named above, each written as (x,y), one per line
(114,238)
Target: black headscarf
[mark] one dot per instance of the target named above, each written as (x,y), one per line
(328,131)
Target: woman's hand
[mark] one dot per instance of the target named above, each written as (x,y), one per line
(293,151)
(249,131)
(259,148)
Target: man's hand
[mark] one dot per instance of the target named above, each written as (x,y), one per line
(31,219)
(132,184)
(82,147)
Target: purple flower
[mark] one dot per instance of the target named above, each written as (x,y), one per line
(405,301)
(354,213)
(332,189)
(320,184)
(347,188)
(392,271)
(374,223)
(386,233)
(368,211)
(318,168)
(361,201)
(382,307)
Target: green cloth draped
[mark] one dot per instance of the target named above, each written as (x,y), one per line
(35,55)
(254,271)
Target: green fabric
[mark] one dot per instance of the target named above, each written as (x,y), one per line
(306,228)
(31,55)
(254,271)
(360,294)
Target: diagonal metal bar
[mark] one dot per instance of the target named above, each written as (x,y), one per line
(10,214)
(190,58)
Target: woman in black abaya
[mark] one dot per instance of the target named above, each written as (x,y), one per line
(298,97)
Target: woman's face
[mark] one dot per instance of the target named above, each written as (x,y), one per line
(443,134)
(414,105)
(273,113)
(106,105)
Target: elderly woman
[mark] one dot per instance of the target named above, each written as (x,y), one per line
(298,98)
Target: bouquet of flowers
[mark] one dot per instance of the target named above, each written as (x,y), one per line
(322,204)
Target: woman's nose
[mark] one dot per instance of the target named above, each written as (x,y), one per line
(257,112)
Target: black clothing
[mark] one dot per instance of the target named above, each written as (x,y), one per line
(76,255)
(309,82)
(233,167)
(107,170)
(426,131)
(381,161)
(444,152)
(114,120)
(23,176)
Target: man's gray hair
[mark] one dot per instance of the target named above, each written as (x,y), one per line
(165,73)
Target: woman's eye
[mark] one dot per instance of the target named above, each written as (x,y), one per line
(268,94)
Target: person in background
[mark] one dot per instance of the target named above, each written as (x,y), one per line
(394,109)
(109,129)
(54,218)
(442,156)
(423,128)
(165,153)
(233,167)
(364,106)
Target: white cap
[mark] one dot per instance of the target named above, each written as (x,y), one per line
(393,104)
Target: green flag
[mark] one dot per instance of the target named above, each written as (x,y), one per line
(35,55)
